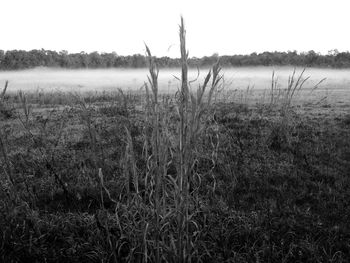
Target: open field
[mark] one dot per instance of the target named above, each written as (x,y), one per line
(132,79)
(335,89)
(270,184)
(243,168)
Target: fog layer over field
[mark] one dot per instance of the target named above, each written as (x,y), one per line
(132,79)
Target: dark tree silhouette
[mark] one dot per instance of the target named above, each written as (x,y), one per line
(20,59)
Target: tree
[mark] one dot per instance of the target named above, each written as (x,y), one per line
(2,55)
(311,58)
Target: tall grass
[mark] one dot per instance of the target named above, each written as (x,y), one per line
(8,166)
(283,98)
(164,194)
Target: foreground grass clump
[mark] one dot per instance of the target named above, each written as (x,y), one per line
(173,178)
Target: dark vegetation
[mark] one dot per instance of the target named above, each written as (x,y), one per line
(21,59)
(117,177)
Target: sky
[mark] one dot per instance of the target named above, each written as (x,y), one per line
(225,27)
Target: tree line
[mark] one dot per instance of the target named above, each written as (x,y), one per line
(21,59)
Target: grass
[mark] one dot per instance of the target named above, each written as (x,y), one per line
(197,176)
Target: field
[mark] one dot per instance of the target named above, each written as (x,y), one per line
(241,168)
(269,191)
(83,80)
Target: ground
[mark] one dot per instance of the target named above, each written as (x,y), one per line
(277,189)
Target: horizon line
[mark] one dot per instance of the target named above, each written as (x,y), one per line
(298,52)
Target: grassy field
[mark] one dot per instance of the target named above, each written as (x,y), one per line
(209,175)
(49,79)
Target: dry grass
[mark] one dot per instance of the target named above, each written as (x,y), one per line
(169,197)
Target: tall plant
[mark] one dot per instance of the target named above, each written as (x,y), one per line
(172,133)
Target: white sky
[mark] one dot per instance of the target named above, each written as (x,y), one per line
(222,26)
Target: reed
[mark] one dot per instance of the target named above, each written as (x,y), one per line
(282,99)
(8,166)
(163,195)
